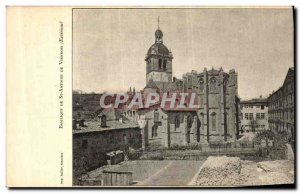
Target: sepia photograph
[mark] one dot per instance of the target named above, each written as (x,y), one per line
(183,97)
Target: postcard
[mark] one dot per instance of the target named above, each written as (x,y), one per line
(150,97)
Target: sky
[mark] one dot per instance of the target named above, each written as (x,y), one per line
(110,45)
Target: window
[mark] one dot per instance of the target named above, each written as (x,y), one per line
(189,122)
(260,115)
(177,122)
(262,107)
(159,63)
(198,134)
(251,116)
(201,83)
(213,121)
(103,121)
(247,116)
(242,116)
(84,144)
(165,64)
(257,115)
(154,131)
(188,131)
(156,116)
(188,140)
(213,85)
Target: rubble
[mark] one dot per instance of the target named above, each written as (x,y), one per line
(277,172)
(219,171)
(275,178)
(272,166)
(231,171)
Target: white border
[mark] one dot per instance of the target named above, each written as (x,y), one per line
(5,3)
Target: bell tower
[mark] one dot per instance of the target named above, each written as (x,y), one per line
(158,60)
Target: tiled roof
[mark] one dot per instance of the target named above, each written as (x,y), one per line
(94,126)
(151,84)
(162,86)
(166,86)
(254,101)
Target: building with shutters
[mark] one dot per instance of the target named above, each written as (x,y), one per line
(282,107)
(254,115)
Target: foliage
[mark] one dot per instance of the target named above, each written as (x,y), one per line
(278,148)
(267,134)
(134,154)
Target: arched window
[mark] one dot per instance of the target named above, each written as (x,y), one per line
(154,131)
(201,84)
(177,122)
(213,121)
(156,116)
(198,134)
(188,140)
(189,121)
(160,63)
(165,64)
(202,119)
(213,84)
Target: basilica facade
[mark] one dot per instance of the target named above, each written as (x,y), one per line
(215,120)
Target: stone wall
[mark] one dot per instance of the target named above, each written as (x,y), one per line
(89,149)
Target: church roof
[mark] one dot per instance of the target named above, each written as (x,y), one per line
(94,126)
(162,86)
(213,72)
(166,86)
(290,75)
(158,32)
(158,49)
(255,101)
(151,84)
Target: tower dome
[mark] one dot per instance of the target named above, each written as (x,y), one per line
(158,48)
(158,36)
(158,60)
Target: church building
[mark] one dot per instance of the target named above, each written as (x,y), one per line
(216,119)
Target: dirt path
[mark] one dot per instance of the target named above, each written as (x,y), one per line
(176,173)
